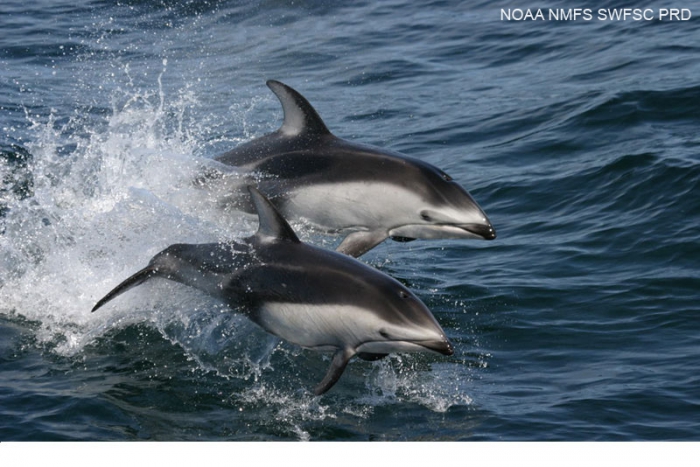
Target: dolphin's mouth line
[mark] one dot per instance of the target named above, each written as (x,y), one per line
(486,232)
(483,231)
(443,347)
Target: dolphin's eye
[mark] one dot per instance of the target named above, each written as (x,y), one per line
(446,177)
(425,217)
(383,333)
(403,294)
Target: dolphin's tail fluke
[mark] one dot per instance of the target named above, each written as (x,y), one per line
(138,278)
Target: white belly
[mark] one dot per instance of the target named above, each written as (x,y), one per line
(318,327)
(352,206)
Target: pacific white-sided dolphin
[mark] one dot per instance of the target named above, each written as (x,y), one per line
(362,192)
(315,298)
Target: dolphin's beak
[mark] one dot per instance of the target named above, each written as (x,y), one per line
(485,231)
(482,230)
(444,347)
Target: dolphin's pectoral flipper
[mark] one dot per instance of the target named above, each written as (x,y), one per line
(402,239)
(138,278)
(340,361)
(371,357)
(358,243)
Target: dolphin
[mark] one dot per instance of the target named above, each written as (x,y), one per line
(362,192)
(315,298)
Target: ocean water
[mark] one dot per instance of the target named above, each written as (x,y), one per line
(580,139)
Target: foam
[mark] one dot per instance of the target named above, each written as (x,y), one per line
(100,212)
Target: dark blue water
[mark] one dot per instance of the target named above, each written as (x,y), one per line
(580,139)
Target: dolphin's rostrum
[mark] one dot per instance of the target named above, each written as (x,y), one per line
(317,299)
(361,192)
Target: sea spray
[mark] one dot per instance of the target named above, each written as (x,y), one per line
(104,198)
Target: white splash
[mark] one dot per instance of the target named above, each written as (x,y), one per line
(101,212)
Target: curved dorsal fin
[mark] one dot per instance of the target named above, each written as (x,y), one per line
(300,118)
(271,222)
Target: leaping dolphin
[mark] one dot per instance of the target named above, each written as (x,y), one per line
(315,298)
(363,192)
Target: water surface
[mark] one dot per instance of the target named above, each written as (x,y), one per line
(579,139)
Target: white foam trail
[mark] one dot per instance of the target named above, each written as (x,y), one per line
(100,213)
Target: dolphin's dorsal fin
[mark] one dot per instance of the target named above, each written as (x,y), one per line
(271,222)
(300,118)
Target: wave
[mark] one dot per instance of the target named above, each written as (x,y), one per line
(635,107)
